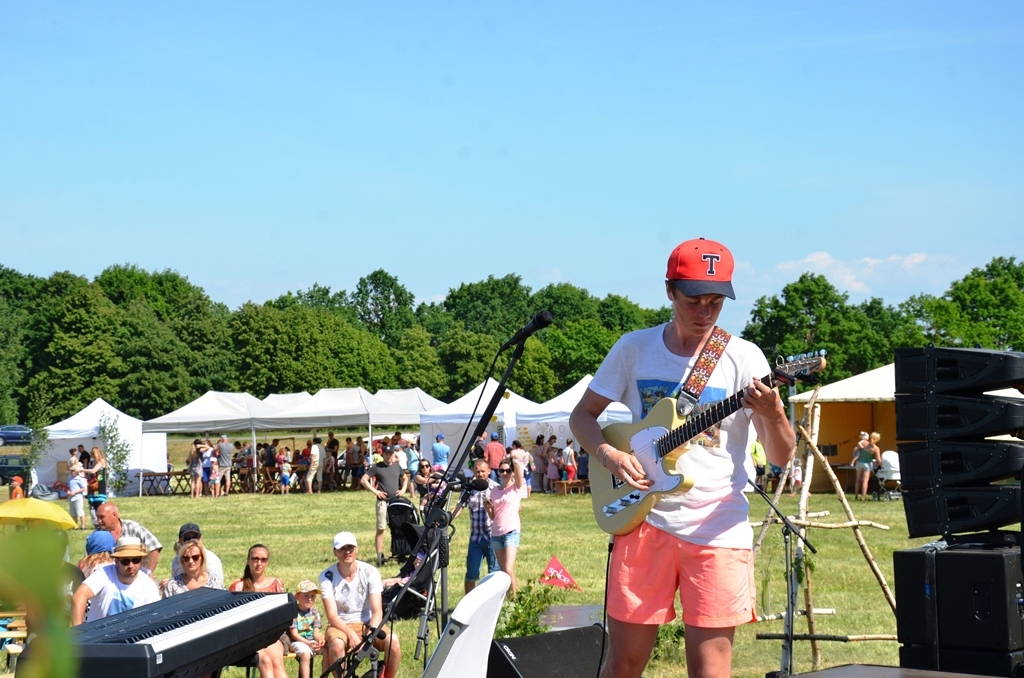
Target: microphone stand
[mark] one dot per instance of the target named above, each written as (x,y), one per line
(788,529)
(436,519)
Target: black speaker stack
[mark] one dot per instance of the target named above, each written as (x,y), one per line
(571,653)
(960,604)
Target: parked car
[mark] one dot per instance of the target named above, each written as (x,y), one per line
(13,465)
(15,434)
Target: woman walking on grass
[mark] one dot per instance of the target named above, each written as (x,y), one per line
(271,658)
(502,504)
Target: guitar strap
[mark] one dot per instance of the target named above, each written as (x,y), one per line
(708,359)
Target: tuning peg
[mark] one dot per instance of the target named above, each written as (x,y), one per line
(790,359)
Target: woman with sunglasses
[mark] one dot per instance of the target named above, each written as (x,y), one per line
(421,481)
(502,504)
(255,578)
(192,557)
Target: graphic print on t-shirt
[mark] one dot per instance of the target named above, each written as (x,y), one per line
(653,390)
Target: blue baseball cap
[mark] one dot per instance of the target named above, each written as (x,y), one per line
(98,542)
(494,436)
(440,436)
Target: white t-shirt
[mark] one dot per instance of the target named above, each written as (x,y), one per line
(638,372)
(113,596)
(352,597)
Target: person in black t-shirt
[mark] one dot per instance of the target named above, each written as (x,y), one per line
(388,481)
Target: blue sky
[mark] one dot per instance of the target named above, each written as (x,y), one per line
(263,147)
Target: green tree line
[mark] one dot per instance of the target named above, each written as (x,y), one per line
(149,342)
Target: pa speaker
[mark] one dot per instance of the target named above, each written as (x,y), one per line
(921,417)
(943,511)
(949,463)
(956,370)
(573,653)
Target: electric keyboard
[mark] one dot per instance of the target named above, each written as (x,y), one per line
(190,634)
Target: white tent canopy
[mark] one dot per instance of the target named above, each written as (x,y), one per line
(552,417)
(284,401)
(215,411)
(149,450)
(454,420)
(336,407)
(878,385)
(413,399)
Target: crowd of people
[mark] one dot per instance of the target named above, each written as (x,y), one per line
(121,555)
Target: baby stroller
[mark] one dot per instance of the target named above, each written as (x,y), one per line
(420,583)
(401,511)
(888,477)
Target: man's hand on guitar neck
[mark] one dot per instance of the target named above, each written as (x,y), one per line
(623,466)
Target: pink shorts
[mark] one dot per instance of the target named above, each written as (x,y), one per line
(716,585)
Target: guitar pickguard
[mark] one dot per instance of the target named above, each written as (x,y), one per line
(642,443)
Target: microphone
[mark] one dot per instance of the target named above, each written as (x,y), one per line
(539,322)
(478,484)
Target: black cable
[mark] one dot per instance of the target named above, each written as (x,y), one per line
(604,609)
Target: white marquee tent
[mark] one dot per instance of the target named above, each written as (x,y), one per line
(149,450)
(454,420)
(413,399)
(284,401)
(336,407)
(552,417)
(214,412)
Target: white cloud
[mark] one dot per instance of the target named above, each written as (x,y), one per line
(892,277)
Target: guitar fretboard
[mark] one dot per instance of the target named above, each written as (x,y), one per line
(698,423)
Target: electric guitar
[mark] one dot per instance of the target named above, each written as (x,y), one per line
(659,440)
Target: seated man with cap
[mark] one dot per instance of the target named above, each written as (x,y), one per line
(351,591)
(187,533)
(117,587)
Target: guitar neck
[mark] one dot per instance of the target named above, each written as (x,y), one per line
(705,420)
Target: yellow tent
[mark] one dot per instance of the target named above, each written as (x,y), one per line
(866,402)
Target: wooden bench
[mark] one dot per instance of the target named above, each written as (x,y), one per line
(564,487)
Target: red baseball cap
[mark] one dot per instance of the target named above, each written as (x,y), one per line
(701,266)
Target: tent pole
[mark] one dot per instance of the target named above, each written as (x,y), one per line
(253,462)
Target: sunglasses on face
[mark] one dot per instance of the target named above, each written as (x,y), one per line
(191,559)
(125,562)
(504,470)
(257,559)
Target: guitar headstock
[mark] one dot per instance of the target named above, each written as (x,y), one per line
(801,367)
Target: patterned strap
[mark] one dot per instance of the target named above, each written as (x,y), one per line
(712,352)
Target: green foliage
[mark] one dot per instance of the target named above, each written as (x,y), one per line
(812,314)
(417,363)
(566,303)
(578,349)
(118,452)
(496,306)
(259,346)
(620,315)
(520,614)
(985,308)
(40,435)
(11,356)
(383,306)
(155,379)
(82,360)
(532,376)
(669,645)
(466,358)
(31,571)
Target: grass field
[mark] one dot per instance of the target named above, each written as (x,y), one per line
(298,530)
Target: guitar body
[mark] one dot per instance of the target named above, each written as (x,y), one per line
(619,508)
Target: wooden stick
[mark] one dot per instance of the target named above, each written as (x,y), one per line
(849,514)
(838,639)
(830,526)
(800,613)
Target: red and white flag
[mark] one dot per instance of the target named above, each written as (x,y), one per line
(556,575)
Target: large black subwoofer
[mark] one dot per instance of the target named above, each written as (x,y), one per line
(573,653)
(960,609)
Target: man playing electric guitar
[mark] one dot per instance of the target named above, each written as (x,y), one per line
(698,541)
